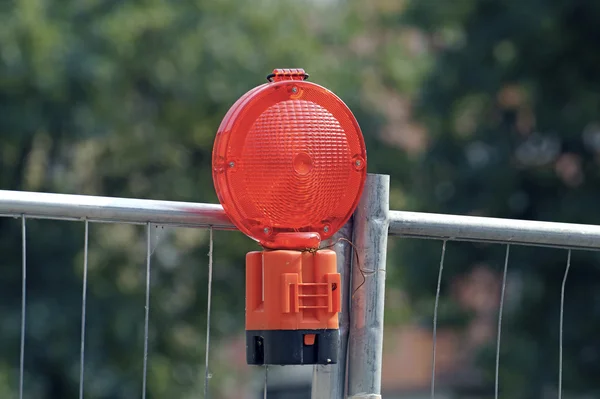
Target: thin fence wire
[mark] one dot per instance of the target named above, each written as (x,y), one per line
(147,309)
(562,312)
(208,301)
(266,381)
(149,252)
(500,314)
(83,306)
(435,317)
(23,305)
(500,311)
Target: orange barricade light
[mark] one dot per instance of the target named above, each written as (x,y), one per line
(289,166)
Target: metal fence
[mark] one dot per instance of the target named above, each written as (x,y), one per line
(358,373)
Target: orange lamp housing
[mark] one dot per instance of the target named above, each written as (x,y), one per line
(289,166)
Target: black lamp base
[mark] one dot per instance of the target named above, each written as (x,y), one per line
(292,347)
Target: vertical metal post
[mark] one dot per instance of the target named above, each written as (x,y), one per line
(329,381)
(365,341)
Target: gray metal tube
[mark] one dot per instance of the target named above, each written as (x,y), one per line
(108,209)
(483,229)
(365,341)
(329,381)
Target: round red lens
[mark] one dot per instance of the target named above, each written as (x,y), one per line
(289,157)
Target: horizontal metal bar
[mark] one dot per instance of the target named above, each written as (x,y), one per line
(484,229)
(108,209)
(408,224)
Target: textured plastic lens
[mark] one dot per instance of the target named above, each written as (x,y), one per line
(289,157)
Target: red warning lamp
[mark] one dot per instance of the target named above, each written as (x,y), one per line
(289,166)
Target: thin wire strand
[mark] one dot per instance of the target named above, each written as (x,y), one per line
(83,307)
(159,234)
(435,315)
(562,311)
(266,381)
(500,311)
(23,305)
(210,272)
(147,316)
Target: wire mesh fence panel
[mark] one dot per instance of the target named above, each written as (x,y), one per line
(128,216)
(448,231)
(50,210)
(362,312)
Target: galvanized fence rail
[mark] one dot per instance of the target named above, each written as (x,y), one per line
(358,373)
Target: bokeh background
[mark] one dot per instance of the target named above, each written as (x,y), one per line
(473,107)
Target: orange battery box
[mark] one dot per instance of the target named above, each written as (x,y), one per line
(292,305)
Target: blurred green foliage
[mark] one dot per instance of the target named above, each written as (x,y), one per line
(473,107)
(511,106)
